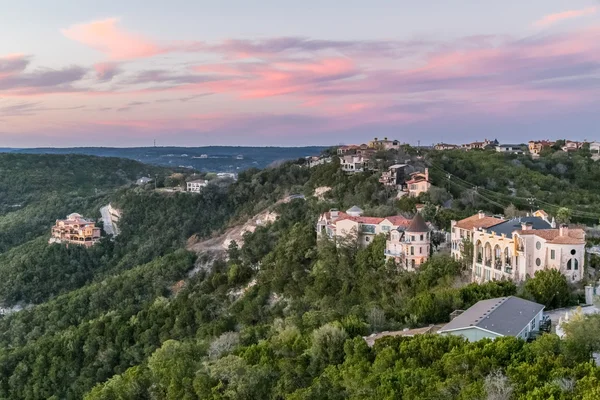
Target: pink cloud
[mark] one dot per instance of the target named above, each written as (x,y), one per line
(106,71)
(107,37)
(561,16)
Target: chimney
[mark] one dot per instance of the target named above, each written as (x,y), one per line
(564,230)
(553,223)
(526,226)
(481,214)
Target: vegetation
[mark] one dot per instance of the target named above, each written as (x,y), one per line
(281,315)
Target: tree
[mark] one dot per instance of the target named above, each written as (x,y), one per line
(467,251)
(327,345)
(563,215)
(582,336)
(550,288)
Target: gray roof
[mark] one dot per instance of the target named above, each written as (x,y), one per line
(508,227)
(354,209)
(506,316)
(418,224)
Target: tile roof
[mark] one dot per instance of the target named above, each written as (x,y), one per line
(418,224)
(505,316)
(552,236)
(475,221)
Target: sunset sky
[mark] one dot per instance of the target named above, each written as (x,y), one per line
(276,72)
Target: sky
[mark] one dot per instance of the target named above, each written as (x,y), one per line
(283,73)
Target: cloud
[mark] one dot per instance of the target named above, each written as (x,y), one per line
(561,16)
(44,80)
(13,64)
(107,37)
(29,109)
(106,71)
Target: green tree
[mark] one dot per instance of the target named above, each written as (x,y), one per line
(550,288)
(563,215)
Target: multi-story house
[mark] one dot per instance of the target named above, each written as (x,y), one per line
(384,144)
(509,148)
(350,149)
(446,146)
(572,146)
(516,249)
(197,185)
(75,230)
(536,146)
(395,176)
(480,145)
(418,183)
(352,225)
(410,247)
(462,231)
(353,163)
(316,160)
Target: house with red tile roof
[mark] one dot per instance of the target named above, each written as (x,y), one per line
(410,247)
(418,183)
(353,225)
(75,230)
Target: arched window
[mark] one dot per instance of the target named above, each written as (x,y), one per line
(569,264)
(412,251)
(412,262)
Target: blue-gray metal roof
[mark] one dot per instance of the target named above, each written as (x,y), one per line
(508,227)
(506,316)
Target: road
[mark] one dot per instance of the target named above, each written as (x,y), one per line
(108,225)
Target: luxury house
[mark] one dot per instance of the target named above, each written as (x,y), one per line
(572,146)
(353,163)
(352,225)
(480,145)
(493,318)
(516,249)
(197,185)
(536,146)
(418,183)
(409,247)
(75,230)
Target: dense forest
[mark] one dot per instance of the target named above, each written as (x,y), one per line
(283,314)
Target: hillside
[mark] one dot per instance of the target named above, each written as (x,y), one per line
(281,317)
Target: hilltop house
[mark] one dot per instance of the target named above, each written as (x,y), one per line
(480,145)
(353,163)
(572,146)
(143,180)
(75,230)
(446,146)
(509,148)
(418,183)
(595,150)
(395,176)
(516,249)
(536,146)
(493,318)
(197,185)
(409,247)
(384,144)
(352,225)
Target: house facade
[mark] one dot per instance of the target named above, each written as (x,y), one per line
(446,146)
(509,148)
(462,230)
(595,150)
(384,144)
(353,163)
(353,226)
(418,183)
(395,176)
(494,318)
(536,146)
(75,230)
(572,146)
(480,145)
(197,185)
(410,247)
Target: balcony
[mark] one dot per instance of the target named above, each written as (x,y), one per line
(498,265)
(479,259)
(508,270)
(392,253)
(488,262)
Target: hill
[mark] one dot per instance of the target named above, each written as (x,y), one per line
(282,316)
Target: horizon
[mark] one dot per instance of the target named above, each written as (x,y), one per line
(233,74)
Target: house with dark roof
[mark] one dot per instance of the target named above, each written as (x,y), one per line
(493,318)
(410,247)
(510,148)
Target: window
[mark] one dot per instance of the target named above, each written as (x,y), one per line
(538,245)
(420,250)
(538,262)
(367,238)
(412,251)
(412,238)
(569,265)
(533,324)
(552,254)
(421,237)
(385,228)
(412,264)
(487,274)
(573,252)
(575,264)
